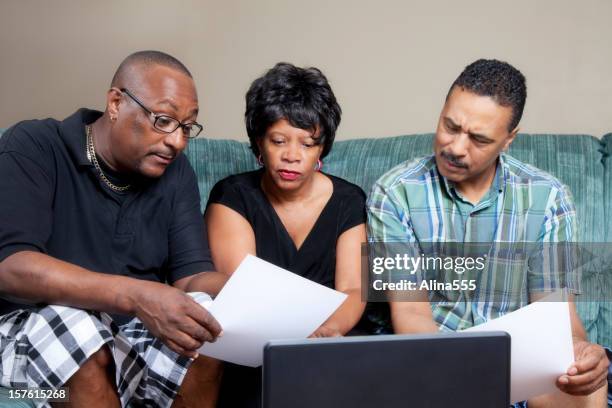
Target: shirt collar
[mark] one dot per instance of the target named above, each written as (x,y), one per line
(72,133)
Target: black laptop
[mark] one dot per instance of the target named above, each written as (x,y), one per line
(459,370)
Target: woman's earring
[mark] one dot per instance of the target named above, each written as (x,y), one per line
(260,160)
(319,165)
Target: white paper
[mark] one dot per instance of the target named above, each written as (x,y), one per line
(262,302)
(542,348)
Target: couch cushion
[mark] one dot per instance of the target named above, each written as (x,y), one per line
(606,153)
(214,160)
(576,161)
(604,321)
(363,161)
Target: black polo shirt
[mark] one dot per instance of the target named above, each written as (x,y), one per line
(54,202)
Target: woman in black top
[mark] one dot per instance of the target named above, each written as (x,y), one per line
(289,212)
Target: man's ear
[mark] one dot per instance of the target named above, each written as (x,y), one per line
(113,98)
(510,138)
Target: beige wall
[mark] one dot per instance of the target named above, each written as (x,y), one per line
(389,62)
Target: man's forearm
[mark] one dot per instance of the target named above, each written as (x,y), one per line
(412,317)
(38,278)
(208,282)
(416,324)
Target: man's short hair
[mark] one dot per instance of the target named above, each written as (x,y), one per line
(148,58)
(302,96)
(498,80)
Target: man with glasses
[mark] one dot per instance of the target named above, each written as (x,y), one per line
(101,238)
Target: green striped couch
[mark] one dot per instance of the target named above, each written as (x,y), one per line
(581,161)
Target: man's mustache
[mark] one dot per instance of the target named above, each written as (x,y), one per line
(453,159)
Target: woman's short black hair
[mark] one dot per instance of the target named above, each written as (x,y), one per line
(302,96)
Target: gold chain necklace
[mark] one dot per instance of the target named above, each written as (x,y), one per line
(91,155)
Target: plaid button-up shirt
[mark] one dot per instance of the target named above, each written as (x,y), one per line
(413,203)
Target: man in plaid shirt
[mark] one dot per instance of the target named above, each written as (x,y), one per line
(469,191)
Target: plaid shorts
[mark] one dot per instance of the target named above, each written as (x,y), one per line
(45,347)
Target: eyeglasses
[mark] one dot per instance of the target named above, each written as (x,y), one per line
(165,123)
